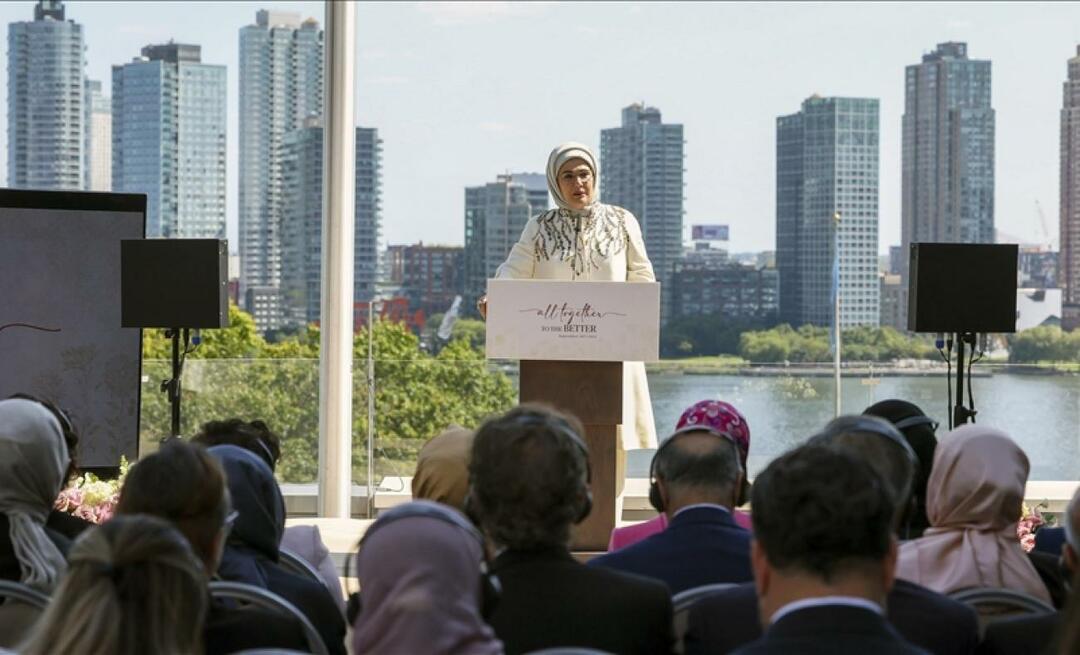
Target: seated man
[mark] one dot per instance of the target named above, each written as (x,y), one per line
(824,556)
(1033,634)
(184,485)
(529,482)
(696,478)
(924,617)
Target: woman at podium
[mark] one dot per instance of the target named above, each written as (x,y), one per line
(583,239)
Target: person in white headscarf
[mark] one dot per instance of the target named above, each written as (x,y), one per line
(33,465)
(584,239)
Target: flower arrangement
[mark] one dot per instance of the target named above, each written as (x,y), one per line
(91,498)
(1031,519)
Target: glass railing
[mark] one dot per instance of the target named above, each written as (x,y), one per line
(415,398)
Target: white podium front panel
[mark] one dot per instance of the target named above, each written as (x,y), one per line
(576,321)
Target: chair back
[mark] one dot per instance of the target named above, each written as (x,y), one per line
(20,609)
(297,565)
(252,595)
(684,600)
(993,604)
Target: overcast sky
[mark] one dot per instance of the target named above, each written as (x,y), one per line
(461,92)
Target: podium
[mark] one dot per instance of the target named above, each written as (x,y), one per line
(572,339)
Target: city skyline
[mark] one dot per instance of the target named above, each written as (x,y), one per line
(443,142)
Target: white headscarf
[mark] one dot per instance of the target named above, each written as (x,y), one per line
(33,462)
(559,156)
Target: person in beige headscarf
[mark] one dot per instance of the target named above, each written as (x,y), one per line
(442,468)
(584,239)
(974,499)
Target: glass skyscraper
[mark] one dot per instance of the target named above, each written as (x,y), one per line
(947,190)
(1069,228)
(281,85)
(46,98)
(301,235)
(98,149)
(169,139)
(641,170)
(827,163)
(495,217)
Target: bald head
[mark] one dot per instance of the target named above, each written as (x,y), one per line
(697,467)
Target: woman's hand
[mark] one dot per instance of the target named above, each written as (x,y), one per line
(481,306)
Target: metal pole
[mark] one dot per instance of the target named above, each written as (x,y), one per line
(836,311)
(339,188)
(371,409)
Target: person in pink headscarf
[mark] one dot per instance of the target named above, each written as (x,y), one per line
(712,416)
(974,499)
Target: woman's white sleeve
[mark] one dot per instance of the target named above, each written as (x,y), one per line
(521,262)
(638,266)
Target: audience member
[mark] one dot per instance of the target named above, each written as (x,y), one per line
(425,585)
(919,432)
(529,482)
(728,619)
(251,550)
(1068,637)
(33,462)
(1034,634)
(133,586)
(184,485)
(722,417)
(442,468)
(824,555)
(696,478)
(304,541)
(973,500)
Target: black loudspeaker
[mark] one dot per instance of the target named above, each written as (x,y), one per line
(962,287)
(174,283)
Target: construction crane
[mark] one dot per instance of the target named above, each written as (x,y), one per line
(1050,243)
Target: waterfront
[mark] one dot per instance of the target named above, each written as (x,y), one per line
(1042,413)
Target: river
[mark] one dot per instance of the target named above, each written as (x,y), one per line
(1042,413)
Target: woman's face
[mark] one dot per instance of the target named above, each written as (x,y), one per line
(576,183)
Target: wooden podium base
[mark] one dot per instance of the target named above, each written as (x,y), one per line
(593,392)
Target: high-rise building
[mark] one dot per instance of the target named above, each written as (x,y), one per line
(891,299)
(168,139)
(495,217)
(641,170)
(429,276)
(46,98)
(301,236)
(97,166)
(947,157)
(827,164)
(720,288)
(281,84)
(1069,216)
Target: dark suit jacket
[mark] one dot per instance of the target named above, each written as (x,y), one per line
(1025,634)
(831,630)
(701,546)
(548,600)
(933,621)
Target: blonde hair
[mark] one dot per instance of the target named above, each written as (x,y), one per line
(133,586)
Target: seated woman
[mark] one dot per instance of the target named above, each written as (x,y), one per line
(304,541)
(419,566)
(974,499)
(918,430)
(251,551)
(134,586)
(442,468)
(714,416)
(33,464)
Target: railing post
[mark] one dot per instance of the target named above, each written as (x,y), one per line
(339,203)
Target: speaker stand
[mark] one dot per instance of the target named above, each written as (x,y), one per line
(172,385)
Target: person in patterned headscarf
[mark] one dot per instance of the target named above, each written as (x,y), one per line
(584,239)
